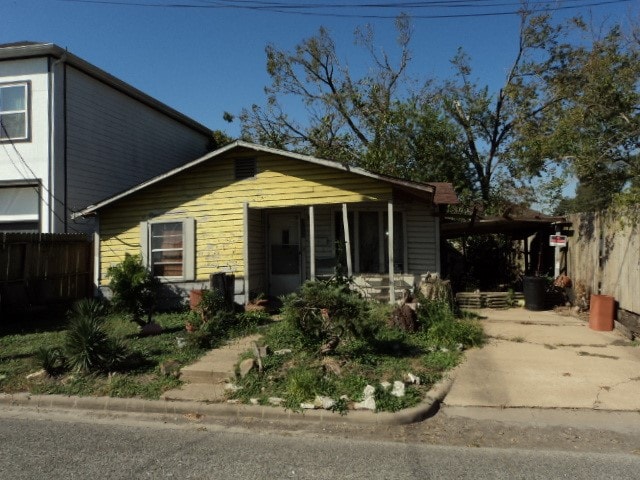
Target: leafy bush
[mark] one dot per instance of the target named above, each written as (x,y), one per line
(88,348)
(328,312)
(134,288)
(212,303)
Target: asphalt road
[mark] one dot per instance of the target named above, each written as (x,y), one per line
(51,446)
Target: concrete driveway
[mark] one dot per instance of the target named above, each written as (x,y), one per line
(546,360)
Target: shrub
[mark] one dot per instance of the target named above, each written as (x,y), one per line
(88,348)
(88,308)
(328,312)
(134,288)
(211,303)
(51,360)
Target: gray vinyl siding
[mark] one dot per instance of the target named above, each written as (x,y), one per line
(421,240)
(114,142)
(257,253)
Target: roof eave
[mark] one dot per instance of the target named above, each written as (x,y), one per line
(51,50)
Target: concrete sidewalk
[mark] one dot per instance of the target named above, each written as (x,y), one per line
(205,379)
(546,360)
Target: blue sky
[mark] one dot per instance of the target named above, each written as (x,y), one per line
(206,61)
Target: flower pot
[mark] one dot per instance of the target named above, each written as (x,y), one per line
(602,312)
(195,297)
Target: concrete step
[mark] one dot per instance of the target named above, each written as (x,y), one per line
(196,392)
(219,364)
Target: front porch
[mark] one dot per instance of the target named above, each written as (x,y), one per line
(372,242)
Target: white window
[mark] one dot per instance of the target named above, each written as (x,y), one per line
(19,208)
(168,248)
(14,112)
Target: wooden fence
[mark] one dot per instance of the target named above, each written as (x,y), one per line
(604,256)
(44,269)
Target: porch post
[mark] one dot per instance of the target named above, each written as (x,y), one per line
(245,249)
(347,241)
(392,283)
(312,243)
(438,243)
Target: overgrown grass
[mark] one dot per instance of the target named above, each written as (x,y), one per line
(138,376)
(340,344)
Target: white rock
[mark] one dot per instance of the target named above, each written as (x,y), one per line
(412,379)
(246,366)
(232,387)
(385,385)
(38,374)
(324,402)
(275,401)
(460,347)
(444,349)
(307,406)
(369,391)
(233,401)
(398,389)
(366,404)
(284,351)
(254,401)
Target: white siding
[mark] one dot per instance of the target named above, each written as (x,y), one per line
(29,160)
(115,142)
(421,240)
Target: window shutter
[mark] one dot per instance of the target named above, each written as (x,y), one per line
(144,243)
(189,245)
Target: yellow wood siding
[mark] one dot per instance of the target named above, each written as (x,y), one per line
(209,194)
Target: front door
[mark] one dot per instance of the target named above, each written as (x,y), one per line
(285,274)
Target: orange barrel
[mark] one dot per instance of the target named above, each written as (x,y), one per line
(602,312)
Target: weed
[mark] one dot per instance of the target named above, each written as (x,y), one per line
(450,333)
(386,402)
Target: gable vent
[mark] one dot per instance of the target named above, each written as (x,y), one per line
(245,168)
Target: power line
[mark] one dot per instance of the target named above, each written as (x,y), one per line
(311,9)
(34,177)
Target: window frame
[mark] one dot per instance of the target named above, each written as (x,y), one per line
(27,112)
(188,247)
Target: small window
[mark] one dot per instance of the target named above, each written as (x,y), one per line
(245,168)
(14,119)
(168,248)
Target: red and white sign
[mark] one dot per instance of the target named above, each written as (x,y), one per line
(557,240)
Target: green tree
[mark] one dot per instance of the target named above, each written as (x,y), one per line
(488,121)
(594,132)
(376,121)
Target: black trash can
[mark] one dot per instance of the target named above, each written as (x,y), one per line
(534,289)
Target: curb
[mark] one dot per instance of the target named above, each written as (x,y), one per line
(136,405)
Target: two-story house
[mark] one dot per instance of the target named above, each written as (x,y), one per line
(72,134)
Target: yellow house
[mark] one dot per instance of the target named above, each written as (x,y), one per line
(272,219)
